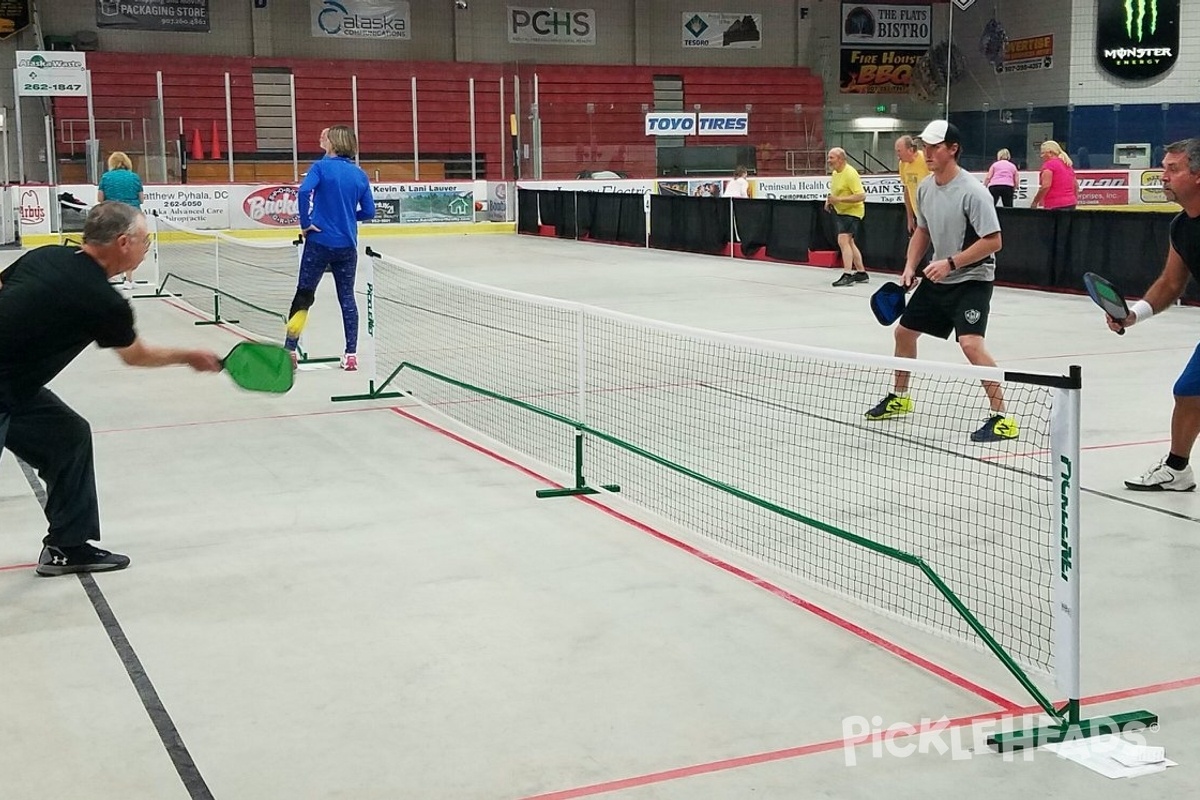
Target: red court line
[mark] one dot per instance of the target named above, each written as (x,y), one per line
(299,415)
(194,313)
(1087,448)
(15,567)
(834,744)
(856,630)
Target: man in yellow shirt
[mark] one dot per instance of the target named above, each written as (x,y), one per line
(913,169)
(847,200)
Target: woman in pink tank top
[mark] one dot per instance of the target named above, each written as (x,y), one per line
(1001,178)
(1058,187)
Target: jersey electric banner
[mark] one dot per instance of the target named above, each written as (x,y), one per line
(1137,39)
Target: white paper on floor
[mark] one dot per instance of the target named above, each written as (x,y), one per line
(1113,756)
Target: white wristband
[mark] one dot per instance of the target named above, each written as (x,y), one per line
(1142,311)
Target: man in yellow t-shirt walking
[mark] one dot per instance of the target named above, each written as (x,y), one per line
(912,169)
(847,200)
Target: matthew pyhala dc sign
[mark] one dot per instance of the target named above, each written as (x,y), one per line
(360,19)
(1137,39)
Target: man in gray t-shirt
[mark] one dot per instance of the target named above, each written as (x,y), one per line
(957,215)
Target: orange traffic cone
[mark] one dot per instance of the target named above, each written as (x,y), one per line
(216,143)
(197,146)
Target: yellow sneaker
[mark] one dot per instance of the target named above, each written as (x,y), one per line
(891,406)
(997,429)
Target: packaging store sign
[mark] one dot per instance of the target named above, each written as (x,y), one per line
(708,29)
(871,25)
(188,16)
(551,25)
(51,73)
(360,19)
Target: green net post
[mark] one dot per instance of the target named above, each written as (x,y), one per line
(581,486)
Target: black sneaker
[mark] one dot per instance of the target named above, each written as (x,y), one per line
(861,277)
(84,558)
(71,201)
(846,279)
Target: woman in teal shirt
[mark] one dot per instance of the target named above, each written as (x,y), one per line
(123,185)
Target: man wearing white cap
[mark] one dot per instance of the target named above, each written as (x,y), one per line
(956,213)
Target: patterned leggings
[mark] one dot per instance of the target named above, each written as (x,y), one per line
(343,263)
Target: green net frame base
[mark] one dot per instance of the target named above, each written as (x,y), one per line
(1071,730)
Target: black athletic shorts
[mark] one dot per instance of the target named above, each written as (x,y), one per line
(939,308)
(848,224)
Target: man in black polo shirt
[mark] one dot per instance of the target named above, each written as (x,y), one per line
(1181,183)
(54,302)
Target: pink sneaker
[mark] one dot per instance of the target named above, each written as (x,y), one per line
(350,362)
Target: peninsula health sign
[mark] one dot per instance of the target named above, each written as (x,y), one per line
(551,25)
(360,19)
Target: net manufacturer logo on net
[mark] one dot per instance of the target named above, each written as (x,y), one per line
(962,742)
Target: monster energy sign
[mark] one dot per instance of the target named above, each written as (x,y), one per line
(1137,39)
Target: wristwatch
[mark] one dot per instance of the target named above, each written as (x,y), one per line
(950,261)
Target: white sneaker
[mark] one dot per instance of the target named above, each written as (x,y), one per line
(1161,478)
(128,286)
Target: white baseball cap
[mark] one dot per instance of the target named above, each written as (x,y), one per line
(940,131)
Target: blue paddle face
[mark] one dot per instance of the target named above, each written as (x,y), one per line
(1105,295)
(887,303)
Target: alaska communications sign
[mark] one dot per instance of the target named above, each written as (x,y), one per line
(1137,39)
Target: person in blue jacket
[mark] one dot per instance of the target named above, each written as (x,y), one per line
(122,184)
(333,198)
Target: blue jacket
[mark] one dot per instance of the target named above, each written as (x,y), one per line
(335,196)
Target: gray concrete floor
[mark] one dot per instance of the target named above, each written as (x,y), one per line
(348,600)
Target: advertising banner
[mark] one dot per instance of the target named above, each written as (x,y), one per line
(707,29)
(873,25)
(14,17)
(1149,187)
(424,202)
(360,19)
(1103,188)
(200,207)
(1023,55)
(51,73)
(499,208)
(187,16)
(33,209)
(550,25)
(618,186)
(724,124)
(882,71)
(1137,39)
(705,187)
(670,123)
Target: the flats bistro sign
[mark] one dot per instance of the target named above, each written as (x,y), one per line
(1137,39)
